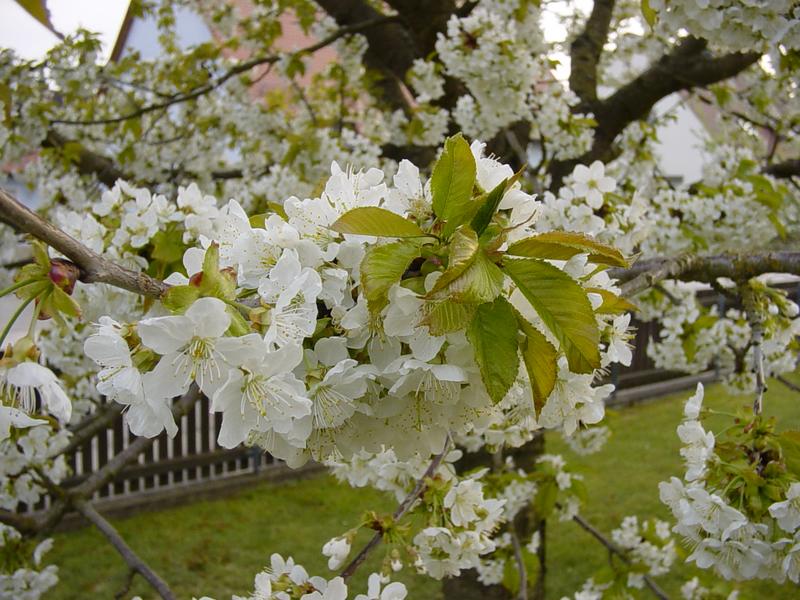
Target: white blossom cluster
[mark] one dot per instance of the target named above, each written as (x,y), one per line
(35,452)
(694,337)
(694,590)
(320,401)
(497,65)
(26,578)
(733,24)
(721,536)
(286,580)
(498,52)
(648,545)
(588,440)
(468,532)
(587,202)
(466,521)
(384,471)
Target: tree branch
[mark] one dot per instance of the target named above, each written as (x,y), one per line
(646,273)
(586,50)
(45,521)
(523,571)
(391,47)
(86,161)
(398,514)
(240,68)
(99,421)
(112,468)
(789,384)
(94,268)
(125,551)
(756,322)
(688,65)
(611,547)
(784,170)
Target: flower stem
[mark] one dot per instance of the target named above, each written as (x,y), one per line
(36,311)
(16,286)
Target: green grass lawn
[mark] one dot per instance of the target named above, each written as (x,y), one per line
(216,547)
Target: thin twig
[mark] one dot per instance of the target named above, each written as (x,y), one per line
(523,572)
(232,72)
(126,586)
(401,510)
(792,386)
(94,268)
(125,551)
(756,321)
(613,549)
(94,423)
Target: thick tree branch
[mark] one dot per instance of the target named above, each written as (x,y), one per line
(586,50)
(647,273)
(94,268)
(785,169)
(125,551)
(688,65)
(391,50)
(86,161)
(398,514)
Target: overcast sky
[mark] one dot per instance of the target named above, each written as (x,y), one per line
(23,33)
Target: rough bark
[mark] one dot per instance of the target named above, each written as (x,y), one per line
(94,268)
(586,49)
(646,273)
(688,65)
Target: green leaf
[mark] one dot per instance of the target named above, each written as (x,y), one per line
(239,325)
(64,303)
(40,255)
(215,282)
(452,181)
(179,297)
(5,98)
(371,220)
(462,252)
(564,308)
(541,361)
(381,268)
(563,245)
(493,335)
(481,282)
(790,445)
(448,316)
(485,213)
(168,246)
(612,304)
(648,13)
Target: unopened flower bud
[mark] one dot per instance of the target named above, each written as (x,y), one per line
(64,274)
